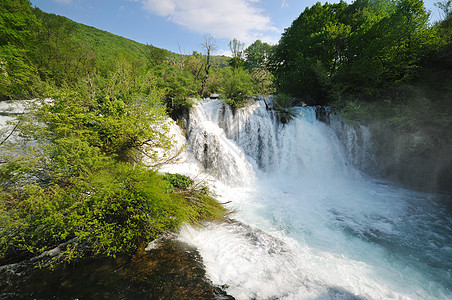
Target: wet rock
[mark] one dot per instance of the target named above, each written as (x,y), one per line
(173,270)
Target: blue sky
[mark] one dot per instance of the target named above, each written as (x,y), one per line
(181,25)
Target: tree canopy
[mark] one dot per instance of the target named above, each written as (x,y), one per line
(362,46)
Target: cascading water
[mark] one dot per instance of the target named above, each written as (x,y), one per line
(307,224)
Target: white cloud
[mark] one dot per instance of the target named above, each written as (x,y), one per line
(230,19)
(223,52)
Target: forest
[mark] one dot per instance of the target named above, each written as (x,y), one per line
(366,52)
(104,101)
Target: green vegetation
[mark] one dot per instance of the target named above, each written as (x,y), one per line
(359,50)
(16,22)
(283,104)
(80,179)
(85,181)
(40,50)
(76,178)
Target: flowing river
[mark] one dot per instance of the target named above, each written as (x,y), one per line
(306,223)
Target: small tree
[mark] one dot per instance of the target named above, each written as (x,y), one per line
(264,81)
(209,46)
(236,48)
(236,86)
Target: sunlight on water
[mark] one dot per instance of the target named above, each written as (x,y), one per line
(308,225)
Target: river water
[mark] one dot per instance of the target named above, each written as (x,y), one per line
(306,223)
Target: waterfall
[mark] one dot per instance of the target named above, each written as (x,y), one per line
(307,223)
(253,138)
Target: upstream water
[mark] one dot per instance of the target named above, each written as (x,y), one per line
(306,223)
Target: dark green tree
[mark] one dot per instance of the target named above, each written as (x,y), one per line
(362,47)
(257,55)
(155,55)
(309,51)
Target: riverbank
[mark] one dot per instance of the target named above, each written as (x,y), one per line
(170,270)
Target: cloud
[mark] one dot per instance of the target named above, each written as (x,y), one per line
(230,19)
(223,52)
(63,1)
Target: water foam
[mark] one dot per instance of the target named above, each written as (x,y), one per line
(308,225)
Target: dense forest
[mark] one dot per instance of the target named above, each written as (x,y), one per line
(364,52)
(105,102)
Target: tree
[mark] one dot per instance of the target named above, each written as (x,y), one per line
(236,48)
(194,63)
(179,87)
(236,85)
(309,52)
(257,55)
(263,79)
(361,47)
(155,55)
(209,46)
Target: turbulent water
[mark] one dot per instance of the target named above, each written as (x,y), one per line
(307,224)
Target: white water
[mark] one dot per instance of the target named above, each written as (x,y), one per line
(308,225)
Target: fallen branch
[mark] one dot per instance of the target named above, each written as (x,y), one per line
(12,131)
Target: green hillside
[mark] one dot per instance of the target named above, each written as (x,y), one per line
(106,46)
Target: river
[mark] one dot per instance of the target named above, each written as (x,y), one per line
(306,224)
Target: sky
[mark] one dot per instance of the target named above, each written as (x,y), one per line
(182,25)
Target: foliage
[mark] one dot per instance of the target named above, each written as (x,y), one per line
(115,209)
(41,51)
(236,85)
(16,23)
(57,55)
(236,48)
(283,100)
(155,55)
(78,185)
(282,104)
(263,80)
(83,181)
(257,55)
(179,181)
(180,87)
(341,48)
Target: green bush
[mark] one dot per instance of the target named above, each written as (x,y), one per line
(116,209)
(236,86)
(179,181)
